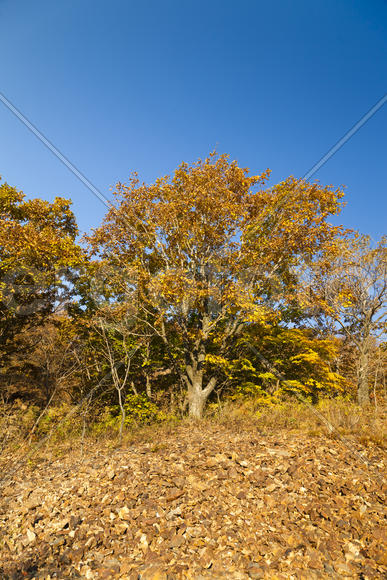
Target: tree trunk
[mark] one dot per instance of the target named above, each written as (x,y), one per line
(363,395)
(123,413)
(196,403)
(148,387)
(197,396)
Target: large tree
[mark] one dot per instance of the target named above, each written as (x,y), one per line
(198,256)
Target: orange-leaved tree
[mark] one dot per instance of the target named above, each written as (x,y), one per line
(198,256)
(38,258)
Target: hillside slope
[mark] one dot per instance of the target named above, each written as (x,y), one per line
(199,502)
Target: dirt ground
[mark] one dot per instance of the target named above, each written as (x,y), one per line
(205,501)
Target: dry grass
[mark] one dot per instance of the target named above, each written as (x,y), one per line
(331,417)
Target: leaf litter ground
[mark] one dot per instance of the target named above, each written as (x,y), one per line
(205,501)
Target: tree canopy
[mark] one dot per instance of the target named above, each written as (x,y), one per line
(38,254)
(195,257)
(188,285)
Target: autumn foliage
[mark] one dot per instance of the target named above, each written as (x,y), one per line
(185,280)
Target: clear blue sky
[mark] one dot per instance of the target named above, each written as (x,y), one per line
(132,85)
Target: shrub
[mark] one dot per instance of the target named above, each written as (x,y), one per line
(140,409)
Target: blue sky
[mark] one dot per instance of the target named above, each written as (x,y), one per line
(126,86)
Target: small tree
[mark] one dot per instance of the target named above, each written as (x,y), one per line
(351,289)
(118,349)
(194,256)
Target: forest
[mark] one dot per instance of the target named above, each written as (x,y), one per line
(203,290)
